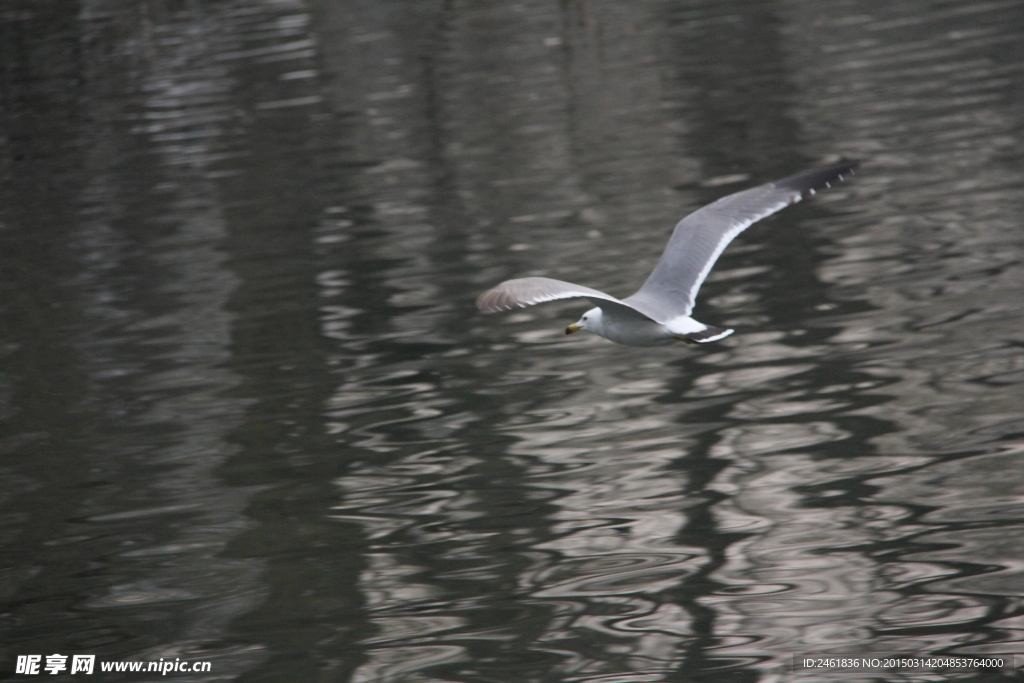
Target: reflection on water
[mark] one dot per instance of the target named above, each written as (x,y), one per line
(251,417)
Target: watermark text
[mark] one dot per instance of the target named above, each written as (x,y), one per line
(31,665)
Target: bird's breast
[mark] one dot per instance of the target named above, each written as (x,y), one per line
(631,333)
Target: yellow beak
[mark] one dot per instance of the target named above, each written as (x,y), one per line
(573,328)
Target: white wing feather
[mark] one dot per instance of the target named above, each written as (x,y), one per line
(529,291)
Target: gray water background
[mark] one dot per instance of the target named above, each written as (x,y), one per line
(251,416)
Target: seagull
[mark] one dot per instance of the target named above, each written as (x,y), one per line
(659,313)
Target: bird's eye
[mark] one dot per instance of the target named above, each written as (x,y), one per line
(584,317)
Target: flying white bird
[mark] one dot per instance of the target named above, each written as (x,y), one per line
(659,313)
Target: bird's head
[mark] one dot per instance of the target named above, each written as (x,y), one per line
(591,321)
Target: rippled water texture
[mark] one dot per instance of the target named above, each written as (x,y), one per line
(251,416)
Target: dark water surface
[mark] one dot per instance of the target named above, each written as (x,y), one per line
(251,416)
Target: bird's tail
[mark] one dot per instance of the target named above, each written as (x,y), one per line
(709,334)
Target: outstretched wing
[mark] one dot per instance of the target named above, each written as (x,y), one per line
(698,240)
(528,291)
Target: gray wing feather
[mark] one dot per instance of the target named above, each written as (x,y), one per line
(698,240)
(528,291)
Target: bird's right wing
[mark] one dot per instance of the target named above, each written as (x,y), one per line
(528,291)
(698,240)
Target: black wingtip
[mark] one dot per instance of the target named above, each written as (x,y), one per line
(819,178)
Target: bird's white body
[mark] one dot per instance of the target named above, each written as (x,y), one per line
(626,329)
(623,330)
